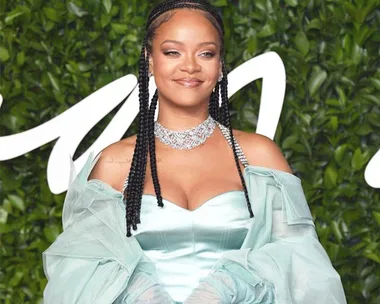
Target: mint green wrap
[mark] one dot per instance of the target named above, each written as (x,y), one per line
(279,259)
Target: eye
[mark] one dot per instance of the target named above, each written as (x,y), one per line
(171,53)
(208,54)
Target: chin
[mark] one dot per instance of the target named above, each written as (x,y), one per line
(188,103)
(184,97)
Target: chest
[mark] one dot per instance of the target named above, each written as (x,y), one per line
(191,185)
(192,178)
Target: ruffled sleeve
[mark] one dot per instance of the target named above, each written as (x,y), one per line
(281,260)
(92,260)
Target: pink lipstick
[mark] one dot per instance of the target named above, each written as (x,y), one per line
(189,82)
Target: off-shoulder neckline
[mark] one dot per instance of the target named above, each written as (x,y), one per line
(267,169)
(249,168)
(252,168)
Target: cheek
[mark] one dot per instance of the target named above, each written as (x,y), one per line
(211,68)
(163,66)
(164,71)
(216,69)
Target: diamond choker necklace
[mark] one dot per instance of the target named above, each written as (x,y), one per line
(187,139)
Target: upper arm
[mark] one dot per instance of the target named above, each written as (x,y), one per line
(264,152)
(114,164)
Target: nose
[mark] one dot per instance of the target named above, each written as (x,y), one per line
(190,65)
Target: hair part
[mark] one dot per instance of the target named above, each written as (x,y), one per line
(165,17)
(145,141)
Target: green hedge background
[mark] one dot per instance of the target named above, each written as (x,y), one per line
(54,53)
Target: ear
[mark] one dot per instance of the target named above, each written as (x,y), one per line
(150,62)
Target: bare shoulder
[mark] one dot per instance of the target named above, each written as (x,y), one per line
(114,162)
(262,151)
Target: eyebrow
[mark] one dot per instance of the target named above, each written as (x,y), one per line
(181,43)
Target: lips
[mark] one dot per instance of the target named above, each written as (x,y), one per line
(189,82)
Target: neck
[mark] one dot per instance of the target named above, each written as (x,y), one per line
(180,120)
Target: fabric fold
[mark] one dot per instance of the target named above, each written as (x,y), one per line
(281,252)
(230,283)
(92,260)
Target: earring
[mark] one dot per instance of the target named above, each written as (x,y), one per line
(150,74)
(220,78)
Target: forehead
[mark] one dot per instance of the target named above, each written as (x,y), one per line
(187,25)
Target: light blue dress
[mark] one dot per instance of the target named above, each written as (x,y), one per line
(214,254)
(185,244)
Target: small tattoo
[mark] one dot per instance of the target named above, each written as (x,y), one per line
(122,163)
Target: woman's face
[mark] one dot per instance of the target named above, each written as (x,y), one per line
(185,59)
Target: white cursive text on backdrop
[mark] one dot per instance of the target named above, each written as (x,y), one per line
(72,126)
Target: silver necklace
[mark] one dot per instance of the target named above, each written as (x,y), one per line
(187,139)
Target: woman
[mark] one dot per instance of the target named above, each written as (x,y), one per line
(234,226)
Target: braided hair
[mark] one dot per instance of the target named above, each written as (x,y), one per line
(133,192)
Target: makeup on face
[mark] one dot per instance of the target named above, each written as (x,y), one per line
(186,59)
(189,82)
(176,50)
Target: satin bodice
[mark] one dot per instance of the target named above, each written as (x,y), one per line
(184,245)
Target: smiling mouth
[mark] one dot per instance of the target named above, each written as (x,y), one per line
(189,83)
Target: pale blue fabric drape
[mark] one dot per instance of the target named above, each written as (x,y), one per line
(281,260)
(281,250)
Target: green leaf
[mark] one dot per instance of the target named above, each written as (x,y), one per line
(340,152)
(334,123)
(374,119)
(220,3)
(330,177)
(347,43)
(107,5)
(132,38)
(7,205)
(314,24)
(372,256)
(293,3)
(119,28)
(84,67)
(17,202)
(333,250)
(16,279)
(53,81)
(267,30)
(359,159)
(364,129)
(317,78)
(252,44)
(20,58)
(290,141)
(13,14)
(357,53)
(336,231)
(375,82)
(78,11)
(333,102)
(376,215)
(302,43)
(342,95)
(4,54)
(3,216)
(52,14)
(51,232)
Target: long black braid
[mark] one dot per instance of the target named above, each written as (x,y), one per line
(213,106)
(145,137)
(226,121)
